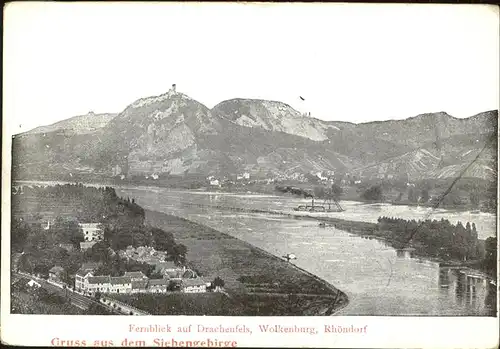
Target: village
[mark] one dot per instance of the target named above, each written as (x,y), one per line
(174,277)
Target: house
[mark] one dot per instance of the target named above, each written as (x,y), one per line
(95,284)
(90,266)
(86,270)
(135,275)
(158,285)
(67,247)
(106,284)
(81,277)
(120,284)
(193,286)
(139,286)
(92,231)
(170,266)
(85,245)
(244,175)
(56,274)
(189,274)
(215,183)
(174,275)
(33,283)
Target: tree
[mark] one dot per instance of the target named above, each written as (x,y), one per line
(336,191)
(374,193)
(179,255)
(218,282)
(412,196)
(319,192)
(490,257)
(424,197)
(474,198)
(400,196)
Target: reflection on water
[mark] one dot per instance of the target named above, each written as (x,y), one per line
(471,290)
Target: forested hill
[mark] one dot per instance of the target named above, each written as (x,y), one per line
(45,221)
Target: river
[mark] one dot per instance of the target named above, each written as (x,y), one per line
(378,279)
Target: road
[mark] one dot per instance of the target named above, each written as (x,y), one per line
(76,299)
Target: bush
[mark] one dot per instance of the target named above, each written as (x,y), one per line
(374,193)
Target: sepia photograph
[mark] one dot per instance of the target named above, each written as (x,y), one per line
(250,160)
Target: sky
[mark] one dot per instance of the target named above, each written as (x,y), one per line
(349,62)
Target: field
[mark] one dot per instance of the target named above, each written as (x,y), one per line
(212,303)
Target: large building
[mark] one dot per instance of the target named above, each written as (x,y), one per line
(92,231)
(87,270)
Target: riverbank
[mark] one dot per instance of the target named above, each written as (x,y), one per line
(267,189)
(257,282)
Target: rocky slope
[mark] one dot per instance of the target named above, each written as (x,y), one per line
(272,116)
(174,134)
(81,124)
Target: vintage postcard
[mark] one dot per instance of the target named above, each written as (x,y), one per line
(250,175)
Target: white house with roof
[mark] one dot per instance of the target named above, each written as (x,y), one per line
(86,270)
(33,283)
(197,285)
(93,284)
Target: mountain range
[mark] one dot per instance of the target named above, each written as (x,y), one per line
(175,134)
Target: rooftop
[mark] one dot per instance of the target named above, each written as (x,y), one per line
(135,274)
(174,274)
(120,280)
(140,284)
(193,282)
(159,282)
(99,280)
(56,269)
(89,225)
(90,266)
(189,274)
(82,272)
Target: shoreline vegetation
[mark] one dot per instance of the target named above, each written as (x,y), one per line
(468,194)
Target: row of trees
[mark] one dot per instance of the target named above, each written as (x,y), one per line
(88,204)
(438,237)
